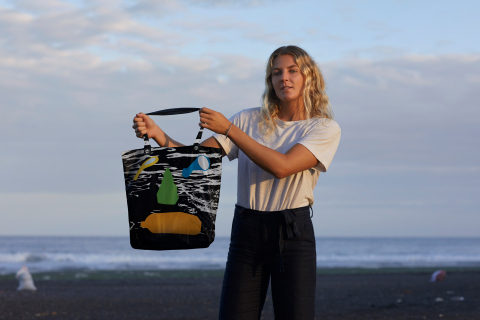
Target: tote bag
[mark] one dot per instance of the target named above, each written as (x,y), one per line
(172,193)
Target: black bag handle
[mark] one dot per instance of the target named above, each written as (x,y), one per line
(170,112)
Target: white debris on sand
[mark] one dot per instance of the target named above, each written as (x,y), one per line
(25,280)
(457,298)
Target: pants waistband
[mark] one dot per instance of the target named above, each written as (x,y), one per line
(298,212)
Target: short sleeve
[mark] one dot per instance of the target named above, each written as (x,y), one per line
(231,150)
(322,140)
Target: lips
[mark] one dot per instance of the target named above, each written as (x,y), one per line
(285,88)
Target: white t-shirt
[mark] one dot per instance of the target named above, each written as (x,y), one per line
(258,189)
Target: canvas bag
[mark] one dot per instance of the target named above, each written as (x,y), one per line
(172,193)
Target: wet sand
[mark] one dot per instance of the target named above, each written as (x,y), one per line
(195,295)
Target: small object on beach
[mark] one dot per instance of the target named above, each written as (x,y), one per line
(438,276)
(439,299)
(25,280)
(43,314)
(457,298)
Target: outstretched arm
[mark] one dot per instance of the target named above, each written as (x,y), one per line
(280,165)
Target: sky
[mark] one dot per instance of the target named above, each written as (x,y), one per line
(402,76)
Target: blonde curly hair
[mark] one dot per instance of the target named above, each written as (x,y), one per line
(315,98)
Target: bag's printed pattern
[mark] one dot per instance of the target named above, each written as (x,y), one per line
(172,192)
(201,163)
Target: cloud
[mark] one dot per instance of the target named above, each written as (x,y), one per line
(235,3)
(155,8)
(413,109)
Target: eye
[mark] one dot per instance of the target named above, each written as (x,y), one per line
(276,73)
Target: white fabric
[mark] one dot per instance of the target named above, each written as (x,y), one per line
(259,190)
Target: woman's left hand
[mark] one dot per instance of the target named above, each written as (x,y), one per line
(214,121)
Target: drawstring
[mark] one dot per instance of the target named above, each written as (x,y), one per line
(291,231)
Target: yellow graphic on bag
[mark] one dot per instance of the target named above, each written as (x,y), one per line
(148,163)
(172,222)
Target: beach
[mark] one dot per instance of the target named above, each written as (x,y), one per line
(340,294)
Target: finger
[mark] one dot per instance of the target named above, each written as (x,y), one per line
(140,134)
(206,116)
(205,120)
(143,117)
(138,124)
(138,116)
(141,129)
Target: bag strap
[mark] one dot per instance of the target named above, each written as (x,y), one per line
(170,112)
(173,111)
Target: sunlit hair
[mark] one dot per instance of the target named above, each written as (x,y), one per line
(315,98)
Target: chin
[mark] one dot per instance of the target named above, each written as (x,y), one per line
(288,99)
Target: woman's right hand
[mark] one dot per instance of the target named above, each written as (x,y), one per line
(144,125)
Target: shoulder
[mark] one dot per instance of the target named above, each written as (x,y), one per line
(246,116)
(249,113)
(324,124)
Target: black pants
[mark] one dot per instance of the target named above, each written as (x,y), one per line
(279,245)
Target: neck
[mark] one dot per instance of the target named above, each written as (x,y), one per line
(292,110)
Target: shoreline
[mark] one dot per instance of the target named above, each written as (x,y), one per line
(78,274)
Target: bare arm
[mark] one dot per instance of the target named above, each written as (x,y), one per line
(280,165)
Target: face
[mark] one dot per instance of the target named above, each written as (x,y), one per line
(287,79)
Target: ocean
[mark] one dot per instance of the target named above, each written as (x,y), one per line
(46,254)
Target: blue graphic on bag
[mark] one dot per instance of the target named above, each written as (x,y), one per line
(201,163)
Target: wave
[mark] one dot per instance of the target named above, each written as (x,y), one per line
(42,254)
(100,261)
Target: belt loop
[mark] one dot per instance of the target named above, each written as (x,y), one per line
(240,211)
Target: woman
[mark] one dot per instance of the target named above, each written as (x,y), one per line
(281,148)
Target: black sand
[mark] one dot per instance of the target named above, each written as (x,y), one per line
(401,294)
